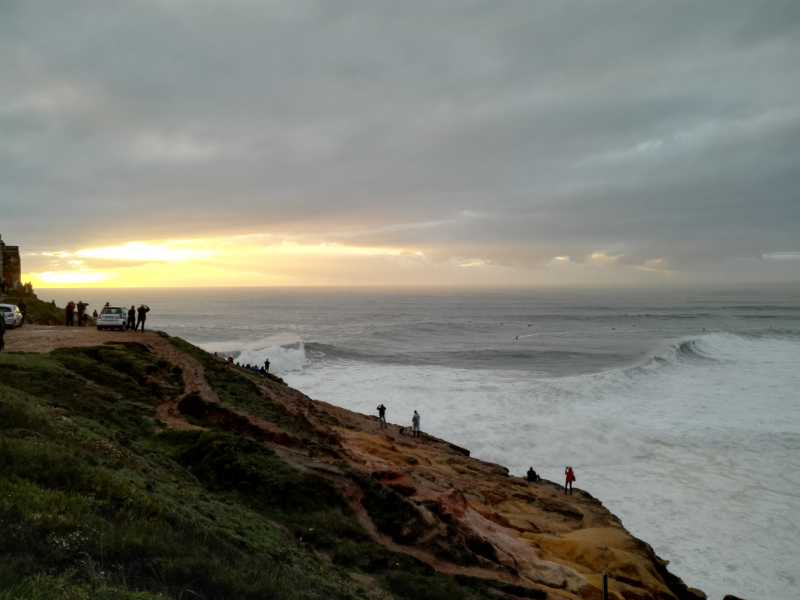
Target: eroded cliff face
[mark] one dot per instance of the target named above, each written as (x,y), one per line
(423,497)
(428,498)
(516,530)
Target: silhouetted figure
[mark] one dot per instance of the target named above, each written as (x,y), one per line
(22,306)
(532,476)
(94,314)
(131,318)
(81,311)
(70,313)
(382,415)
(2,332)
(266,365)
(570,478)
(415,424)
(142,310)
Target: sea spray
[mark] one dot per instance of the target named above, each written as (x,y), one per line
(285,352)
(695,447)
(677,406)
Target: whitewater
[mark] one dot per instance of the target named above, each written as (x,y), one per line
(678,409)
(697,450)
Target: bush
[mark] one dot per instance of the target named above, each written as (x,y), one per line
(392,514)
(420,587)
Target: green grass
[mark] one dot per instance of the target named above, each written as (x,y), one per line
(392,513)
(94,504)
(38,312)
(83,477)
(235,387)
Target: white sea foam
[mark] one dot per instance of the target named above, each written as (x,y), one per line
(697,448)
(286,352)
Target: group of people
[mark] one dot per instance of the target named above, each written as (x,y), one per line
(569,474)
(248,367)
(415,420)
(15,287)
(531,476)
(80,308)
(133,323)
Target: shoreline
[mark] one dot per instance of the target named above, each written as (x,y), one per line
(553,541)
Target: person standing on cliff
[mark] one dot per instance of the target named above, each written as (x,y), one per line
(70,312)
(570,478)
(142,310)
(266,365)
(81,311)
(415,424)
(2,332)
(131,318)
(382,415)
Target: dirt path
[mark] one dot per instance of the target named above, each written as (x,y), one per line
(46,338)
(546,534)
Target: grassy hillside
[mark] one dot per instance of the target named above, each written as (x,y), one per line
(97,500)
(38,312)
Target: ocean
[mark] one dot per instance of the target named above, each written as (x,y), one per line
(678,408)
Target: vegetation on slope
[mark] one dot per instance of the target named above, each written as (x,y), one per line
(38,312)
(97,502)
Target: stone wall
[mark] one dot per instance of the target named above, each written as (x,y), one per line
(10,263)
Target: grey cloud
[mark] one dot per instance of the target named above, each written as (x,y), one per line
(654,130)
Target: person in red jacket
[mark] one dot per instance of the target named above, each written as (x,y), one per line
(570,478)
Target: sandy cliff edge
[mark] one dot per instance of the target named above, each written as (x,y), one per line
(422,496)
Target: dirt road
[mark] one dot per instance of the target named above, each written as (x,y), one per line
(45,338)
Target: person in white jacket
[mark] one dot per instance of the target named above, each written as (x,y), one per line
(415,424)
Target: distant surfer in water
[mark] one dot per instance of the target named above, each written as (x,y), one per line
(382,415)
(570,478)
(415,424)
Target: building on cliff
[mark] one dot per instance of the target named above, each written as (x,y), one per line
(10,264)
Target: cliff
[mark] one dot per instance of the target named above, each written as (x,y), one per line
(137,465)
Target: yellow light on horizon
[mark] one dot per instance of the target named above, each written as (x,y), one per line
(147,252)
(75,277)
(223,261)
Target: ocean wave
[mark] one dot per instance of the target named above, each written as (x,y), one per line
(285,352)
(525,359)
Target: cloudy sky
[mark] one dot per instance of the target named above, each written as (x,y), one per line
(235,142)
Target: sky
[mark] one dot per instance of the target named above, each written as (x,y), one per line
(240,142)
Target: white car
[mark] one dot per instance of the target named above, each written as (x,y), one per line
(11,314)
(113,317)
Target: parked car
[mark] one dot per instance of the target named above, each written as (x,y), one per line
(11,314)
(113,317)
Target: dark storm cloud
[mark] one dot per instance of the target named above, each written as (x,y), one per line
(508,132)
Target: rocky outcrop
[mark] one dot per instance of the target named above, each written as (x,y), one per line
(423,496)
(463,516)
